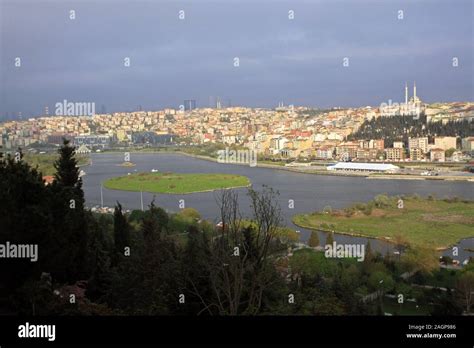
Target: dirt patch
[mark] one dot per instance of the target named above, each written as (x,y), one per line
(460,219)
(378,212)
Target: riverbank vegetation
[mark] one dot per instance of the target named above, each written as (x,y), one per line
(176,183)
(419,222)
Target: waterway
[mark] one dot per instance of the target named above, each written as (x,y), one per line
(298,192)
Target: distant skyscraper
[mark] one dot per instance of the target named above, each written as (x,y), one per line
(189,104)
(46,111)
(139,108)
(102,109)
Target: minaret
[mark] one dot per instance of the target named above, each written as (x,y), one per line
(414,91)
(406,93)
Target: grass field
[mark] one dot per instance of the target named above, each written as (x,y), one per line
(175,183)
(421,222)
(45,162)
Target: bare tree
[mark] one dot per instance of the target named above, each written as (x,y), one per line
(465,287)
(239,268)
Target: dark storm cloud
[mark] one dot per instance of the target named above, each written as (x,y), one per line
(298,61)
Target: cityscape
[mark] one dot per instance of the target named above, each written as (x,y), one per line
(288,166)
(286,131)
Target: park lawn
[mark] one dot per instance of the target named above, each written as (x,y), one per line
(422,222)
(176,183)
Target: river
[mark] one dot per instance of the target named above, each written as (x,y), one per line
(308,192)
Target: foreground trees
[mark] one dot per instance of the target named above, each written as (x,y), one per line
(238,264)
(51,217)
(465,289)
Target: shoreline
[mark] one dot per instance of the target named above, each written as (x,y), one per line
(313,171)
(184,193)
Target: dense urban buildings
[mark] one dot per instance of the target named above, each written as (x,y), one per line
(281,133)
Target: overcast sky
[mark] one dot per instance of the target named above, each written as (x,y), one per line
(298,61)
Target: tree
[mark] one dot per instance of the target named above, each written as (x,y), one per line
(99,259)
(445,304)
(330,238)
(313,239)
(465,288)
(240,270)
(381,282)
(67,171)
(369,254)
(69,242)
(449,152)
(420,260)
(121,231)
(190,213)
(25,218)
(400,128)
(400,244)
(159,270)
(195,263)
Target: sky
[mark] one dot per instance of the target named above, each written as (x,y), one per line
(296,61)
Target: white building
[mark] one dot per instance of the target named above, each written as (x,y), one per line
(364,167)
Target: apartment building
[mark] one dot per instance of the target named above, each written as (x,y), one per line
(420,143)
(445,143)
(395,154)
(416,154)
(437,155)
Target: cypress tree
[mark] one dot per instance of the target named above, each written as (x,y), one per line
(70,240)
(121,231)
(313,239)
(330,238)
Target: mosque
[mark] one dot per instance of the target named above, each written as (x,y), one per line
(410,107)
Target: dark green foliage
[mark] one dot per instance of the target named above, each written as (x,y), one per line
(329,238)
(69,230)
(24,219)
(195,268)
(67,172)
(313,239)
(400,128)
(121,232)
